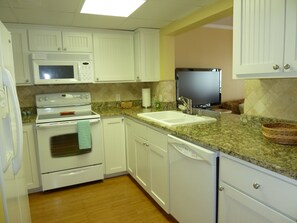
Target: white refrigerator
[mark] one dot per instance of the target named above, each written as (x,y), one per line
(14,205)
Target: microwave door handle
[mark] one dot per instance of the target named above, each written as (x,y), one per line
(10,84)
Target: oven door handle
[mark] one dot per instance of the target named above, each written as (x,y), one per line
(59,124)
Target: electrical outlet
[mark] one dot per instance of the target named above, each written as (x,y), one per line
(118,97)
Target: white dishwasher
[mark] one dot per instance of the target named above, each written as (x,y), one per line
(193,182)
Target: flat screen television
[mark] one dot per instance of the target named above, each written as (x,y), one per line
(202,85)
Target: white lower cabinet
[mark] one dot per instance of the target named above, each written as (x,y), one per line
(142,162)
(248,193)
(114,145)
(149,161)
(29,157)
(237,207)
(158,168)
(130,146)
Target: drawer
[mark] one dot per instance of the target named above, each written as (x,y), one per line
(157,138)
(140,130)
(270,188)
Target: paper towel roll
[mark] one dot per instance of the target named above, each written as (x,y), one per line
(146,97)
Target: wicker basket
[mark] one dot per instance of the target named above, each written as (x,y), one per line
(281,133)
(126,104)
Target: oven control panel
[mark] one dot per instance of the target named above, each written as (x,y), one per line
(63,99)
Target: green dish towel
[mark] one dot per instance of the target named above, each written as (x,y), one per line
(84,134)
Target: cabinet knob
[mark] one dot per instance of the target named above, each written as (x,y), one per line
(59,49)
(27,81)
(221,188)
(65,49)
(275,67)
(287,66)
(256,185)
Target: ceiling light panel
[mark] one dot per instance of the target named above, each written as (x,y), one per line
(122,8)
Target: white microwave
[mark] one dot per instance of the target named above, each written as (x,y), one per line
(62,68)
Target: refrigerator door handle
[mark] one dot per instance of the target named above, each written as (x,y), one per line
(10,84)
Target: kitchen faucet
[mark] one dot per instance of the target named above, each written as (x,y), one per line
(187,103)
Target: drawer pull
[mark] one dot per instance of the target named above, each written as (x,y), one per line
(275,67)
(287,66)
(256,185)
(221,188)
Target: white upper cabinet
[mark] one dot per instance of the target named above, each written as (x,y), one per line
(114,56)
(147,54)
(264,39)
(20,56)
(55,40)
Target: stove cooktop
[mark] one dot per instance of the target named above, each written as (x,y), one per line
(67,106)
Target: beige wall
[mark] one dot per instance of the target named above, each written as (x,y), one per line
(163,91)
(273,98)
(209,48)
(202,16)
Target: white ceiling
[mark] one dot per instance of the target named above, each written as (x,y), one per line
(153,13)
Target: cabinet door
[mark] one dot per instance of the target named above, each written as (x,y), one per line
(77,42)
(20,56)
(159,185)
(142,163)
(236,207)
(29,157)
(114,56)
(147,55)
(115,154)
(130,146)
(45,40)
(290,60)
(258,37)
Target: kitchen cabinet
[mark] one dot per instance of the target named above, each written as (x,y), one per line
(248,193)
(114,56)
(29,157)
(142,163)
(56,40)
(147,54)
(264,39)
(158,168)
(151,163)
(114,145)
(130,146)
(20,56)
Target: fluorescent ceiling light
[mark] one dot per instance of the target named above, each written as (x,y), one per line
(122,8)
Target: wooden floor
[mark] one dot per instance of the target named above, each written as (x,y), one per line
(116,200)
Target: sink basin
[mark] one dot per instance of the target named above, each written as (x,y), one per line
(174,118)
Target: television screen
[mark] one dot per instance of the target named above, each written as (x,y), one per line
(202,85)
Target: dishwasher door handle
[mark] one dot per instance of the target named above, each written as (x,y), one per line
(186,152)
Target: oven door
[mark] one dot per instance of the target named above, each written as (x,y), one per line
(58,146)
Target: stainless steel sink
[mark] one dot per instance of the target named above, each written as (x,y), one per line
(174,118)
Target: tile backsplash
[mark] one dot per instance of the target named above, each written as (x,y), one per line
(164,91)
(273,98)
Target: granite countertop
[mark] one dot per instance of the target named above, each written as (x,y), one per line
(229,135)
